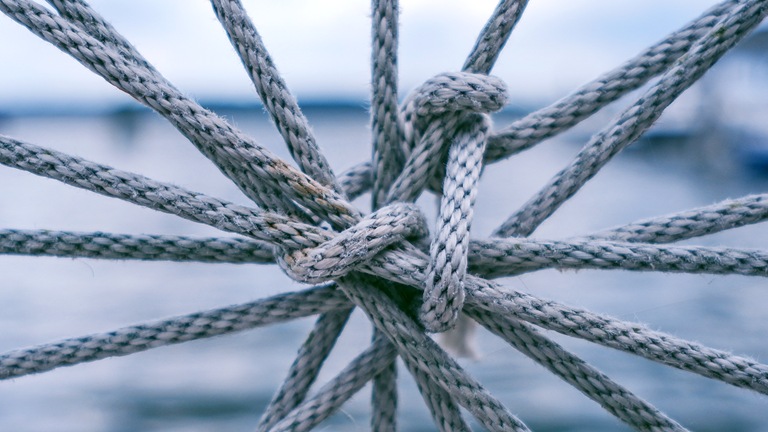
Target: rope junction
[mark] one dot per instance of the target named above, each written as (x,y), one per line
(386,263)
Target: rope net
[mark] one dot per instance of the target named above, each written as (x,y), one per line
(410,279)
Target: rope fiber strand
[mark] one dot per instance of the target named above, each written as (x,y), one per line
(409,278)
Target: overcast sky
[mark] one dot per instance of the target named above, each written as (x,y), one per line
(322,47)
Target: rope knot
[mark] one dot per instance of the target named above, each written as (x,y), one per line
(448,113)
(348,249)
(454,92)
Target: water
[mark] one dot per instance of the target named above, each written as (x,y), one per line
(224,383)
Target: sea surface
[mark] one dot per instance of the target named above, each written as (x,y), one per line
(224,383)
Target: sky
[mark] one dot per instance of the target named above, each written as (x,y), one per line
(322,48)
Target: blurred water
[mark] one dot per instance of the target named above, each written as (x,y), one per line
(224,383)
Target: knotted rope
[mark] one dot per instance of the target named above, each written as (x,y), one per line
(438,139)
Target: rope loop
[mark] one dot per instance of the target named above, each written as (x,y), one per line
(449,250)
(433,115)
(449,93)
(447,114)
(354,246)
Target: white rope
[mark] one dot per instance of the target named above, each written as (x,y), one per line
(306,224)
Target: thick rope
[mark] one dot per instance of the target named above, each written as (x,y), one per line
(625,336)
(273,91)
(238,156)
(141,247)
(303,372)
(444,288)
(445,413)
(159,196)
(394,265)
(333,394)
(505,257)
(494,35)
(696,222)
(410,147)
(415,346)
(591,97)
(137,338)
(386,123)
(613,397)
(635,119)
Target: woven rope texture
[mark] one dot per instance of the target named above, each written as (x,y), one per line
(409,278)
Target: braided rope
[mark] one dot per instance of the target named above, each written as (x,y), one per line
(595,385)
(306,224)
(634,120)
(133,339)
(278,100)
(304,370)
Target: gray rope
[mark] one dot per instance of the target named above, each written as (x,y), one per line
(505,257)
(386,123)
(625,336)
(394,265)
(137,338)
(337,391)
(410,146)
(494,35)
(613,397)
(238,156)
(490,258)
(356,245)
(679,226)
(156,195)
(273,91)
(82,15)
(142,247)
(303,372)
(432,115)
(415,346)
(635,119)
(445,413)
(403,219)
(692,223)
(444,287)
(384,396)
(357,180)
(591,97)
(386,132)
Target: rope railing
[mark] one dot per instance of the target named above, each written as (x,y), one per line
(408,281)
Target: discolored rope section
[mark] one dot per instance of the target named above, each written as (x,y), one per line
(273,91)
(407,281)
(265,178)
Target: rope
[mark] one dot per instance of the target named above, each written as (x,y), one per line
(635,119)
(274,93)
(137,338)
(591,97)
(304,370)
(408,283)
(613,397)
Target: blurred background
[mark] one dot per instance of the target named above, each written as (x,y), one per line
(712,144)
